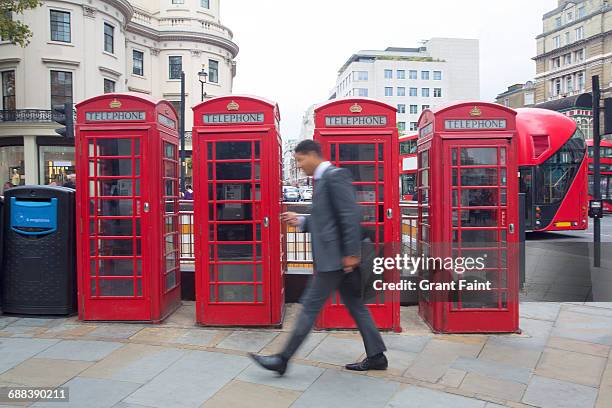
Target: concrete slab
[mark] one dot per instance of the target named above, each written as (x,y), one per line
(338,350)
(197,337)
(550,393)
(116,331)
(15,351)
(92,393)
(44,372)
(84,350)
(513,356)
(570,366)
(419,397)
(298,377)
(239,394)
(493,387)
(493,369)
(247,340)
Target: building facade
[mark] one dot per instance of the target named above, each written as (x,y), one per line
(83,48)
(440,71)
(518,96)
(576,43)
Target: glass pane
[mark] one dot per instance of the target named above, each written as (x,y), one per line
(170,169)
(367,192)
(235,252)
(479,177)
(478,218)
(235,273)
(170,280)
(365,172)
(122,227)
(116,207)
(116,287)
(234,171)
(235,191)
(233,150)
(115,267)
(113,247)
(169,150)
(478,155)
(114,147)
(479,237)
(482,197)
(236,293)
(231,212)
(115,167)
(358,152)
(117,187)
(232,232)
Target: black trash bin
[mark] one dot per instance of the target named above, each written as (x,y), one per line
(39,265)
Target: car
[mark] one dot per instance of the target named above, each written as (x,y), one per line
(291,193)
(306,193)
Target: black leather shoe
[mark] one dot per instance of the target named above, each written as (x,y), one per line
(369,363)
(273,363)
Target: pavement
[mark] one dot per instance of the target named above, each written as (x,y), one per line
(561,359)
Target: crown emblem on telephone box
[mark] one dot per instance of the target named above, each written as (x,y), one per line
(115,104)
(475,111)
(356,108)
(233,106)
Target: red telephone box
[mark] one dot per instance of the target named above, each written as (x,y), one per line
(361,135)
(127,203)
(468,209)
(238,192)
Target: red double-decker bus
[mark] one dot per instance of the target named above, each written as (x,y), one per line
(605,154)
(553,171)
(408,166)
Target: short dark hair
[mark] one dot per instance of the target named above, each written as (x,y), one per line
(309,146)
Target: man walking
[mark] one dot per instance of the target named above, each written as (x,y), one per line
(334,225)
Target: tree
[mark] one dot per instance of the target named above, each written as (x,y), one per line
(15,31)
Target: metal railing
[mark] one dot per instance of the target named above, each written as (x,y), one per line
(298,246)
(30,115)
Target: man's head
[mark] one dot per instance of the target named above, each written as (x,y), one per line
(308,156)
(72,177)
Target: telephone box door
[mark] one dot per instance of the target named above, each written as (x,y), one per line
(117,221)
(235,241)
(480,187)
(369,160)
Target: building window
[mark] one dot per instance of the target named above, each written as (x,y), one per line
(556,41)
(414,109)
(567,59)
(423,107)
(581,12)
(401,126)
(388,74)
(175,67)
(178,1)
(401,74)
(567,37)
(570,16)
(556,87)
(569,84)
(412,74)
(437,75)
(109,38)
(61,87)
(579,55)
(580,81)
(60,26)
(205,4)
(437,92)
(388,91)
(425,75)
(558,22)
(425,92)
(360,75)
(362,92)
(56,163)
(401,91)
(556,62)
(412,92)
(213,71)
(401,108)
(8,90)
(413,125)
(579,33)
(12,167)
(138,62)
(109,86)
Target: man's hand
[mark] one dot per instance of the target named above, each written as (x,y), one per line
(350,263)
(290,218)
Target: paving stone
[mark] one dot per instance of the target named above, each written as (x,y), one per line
(6,320)
(604,399)
(134,362)
(190,381)
(298,377)
(570,366)
(85,350)
(413,344)
(493,369)
(514,356)
(399,361)
(452,378)
(247,340)
(197,337)
(43,372)
(118,331)
(492,405)
(126,405)
(419,397)
(494,387)
(238,394)
(337,350)
(586,327)
(340,389)
(38,322)
(535,334)
(540,310)
(588,309)
(158,334)
(69,329)
(93,393)
(15,351)
(21,331)
(550,393)
(594,349)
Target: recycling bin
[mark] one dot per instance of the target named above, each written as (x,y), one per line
(39,264)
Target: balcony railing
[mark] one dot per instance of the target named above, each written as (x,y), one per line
(28,115)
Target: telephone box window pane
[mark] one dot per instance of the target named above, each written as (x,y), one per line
(425,159)
(234,171)
(114,147)
(170,169)
(502,156)
(115,167)
(424,178)
(478,300)
(171,261)
(478,156)
(118,228)
(171,280)
(367,192)
(478,218)
(365,172)
(502,178)
(454,177)
(357,152)
(233,150)
(115,267)
(236,293)
(116,287)
(454,157)
(481,197)
(479,177)
(169,150)
(370,213)
(374,234)
(484,238)
(234,273)
(233,252)
(113,247)
(170,187)
(231,212)
(234,191)
(232,232)
(118,207)
(503,196)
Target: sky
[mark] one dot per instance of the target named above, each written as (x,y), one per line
(291,51)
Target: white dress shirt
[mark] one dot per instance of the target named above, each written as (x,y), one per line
(318,173)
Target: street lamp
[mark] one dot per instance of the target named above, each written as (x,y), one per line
(202,75)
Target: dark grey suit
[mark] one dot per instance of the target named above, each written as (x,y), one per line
(334,225)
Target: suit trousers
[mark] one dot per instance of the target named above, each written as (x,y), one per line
(319,289)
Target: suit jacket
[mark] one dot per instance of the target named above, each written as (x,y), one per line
(335,220)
